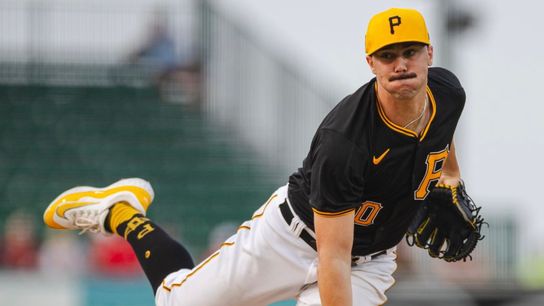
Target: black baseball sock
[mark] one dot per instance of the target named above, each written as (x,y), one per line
(158,254)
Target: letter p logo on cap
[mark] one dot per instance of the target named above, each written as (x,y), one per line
(395,25)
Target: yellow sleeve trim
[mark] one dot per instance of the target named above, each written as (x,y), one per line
(333,214)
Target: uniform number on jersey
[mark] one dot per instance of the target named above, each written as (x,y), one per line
(366,214)
(435,162)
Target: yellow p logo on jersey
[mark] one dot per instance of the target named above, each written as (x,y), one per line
(431,173)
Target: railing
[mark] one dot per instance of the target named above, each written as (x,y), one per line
(259,94)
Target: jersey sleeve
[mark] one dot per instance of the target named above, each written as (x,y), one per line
(446,82)
(337,174)
(444,77)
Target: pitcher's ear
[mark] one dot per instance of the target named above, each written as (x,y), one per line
(370,62)
(430,51)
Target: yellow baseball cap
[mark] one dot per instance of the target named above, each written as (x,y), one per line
(395,25)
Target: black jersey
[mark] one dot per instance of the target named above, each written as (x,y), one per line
(360,160)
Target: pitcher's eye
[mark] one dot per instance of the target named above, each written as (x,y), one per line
(409,53)
(386,55)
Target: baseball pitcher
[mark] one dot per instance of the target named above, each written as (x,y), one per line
(381,167)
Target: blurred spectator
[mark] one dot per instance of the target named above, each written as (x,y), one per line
(113,257)
(158,51)
(62,255)
(176,76)
(19,248)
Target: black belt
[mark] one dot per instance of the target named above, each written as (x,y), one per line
(306,237)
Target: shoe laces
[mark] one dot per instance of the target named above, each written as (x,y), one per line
(88,220)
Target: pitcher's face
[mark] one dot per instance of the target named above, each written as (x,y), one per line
(402,69)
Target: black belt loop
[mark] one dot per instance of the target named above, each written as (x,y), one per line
(288,217)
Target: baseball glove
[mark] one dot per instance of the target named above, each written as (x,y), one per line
(448,224)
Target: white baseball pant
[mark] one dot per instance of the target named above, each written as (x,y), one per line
(266,261)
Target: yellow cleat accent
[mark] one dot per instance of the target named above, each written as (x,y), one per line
(86,207)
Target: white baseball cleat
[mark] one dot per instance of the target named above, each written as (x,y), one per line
(85,208)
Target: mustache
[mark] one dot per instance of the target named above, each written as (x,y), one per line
(403,76)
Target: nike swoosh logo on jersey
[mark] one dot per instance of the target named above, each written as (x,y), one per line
(61,210)
(377,160)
